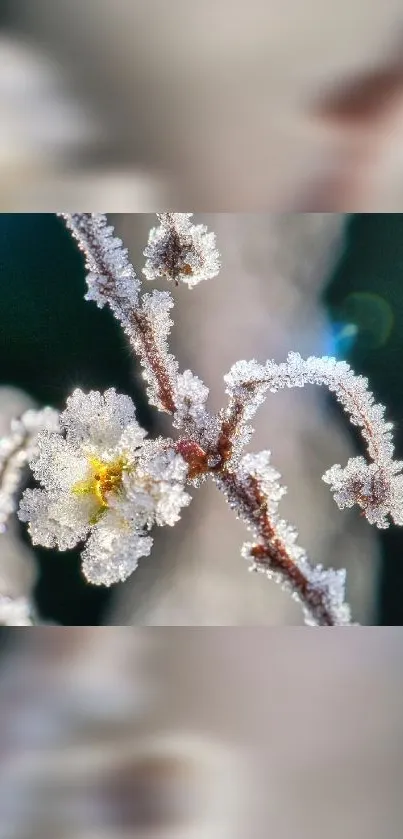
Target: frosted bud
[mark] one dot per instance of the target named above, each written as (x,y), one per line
(181,251)
(378,490)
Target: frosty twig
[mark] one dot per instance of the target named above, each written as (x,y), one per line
(103,483)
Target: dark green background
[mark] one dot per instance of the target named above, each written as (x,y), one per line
(51,340)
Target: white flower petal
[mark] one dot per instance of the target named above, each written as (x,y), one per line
(112,553)
(131,439)
(60,522)
(56,464)
(97,420)
(155,489)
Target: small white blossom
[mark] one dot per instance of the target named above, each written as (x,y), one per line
(15,611)
(181,251)
(101,482)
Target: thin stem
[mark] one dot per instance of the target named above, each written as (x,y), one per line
(350,390)
(271,553)
(154,360)
(118,286)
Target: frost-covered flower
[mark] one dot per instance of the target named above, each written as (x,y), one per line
(378,490)
(181,251)
(101,482)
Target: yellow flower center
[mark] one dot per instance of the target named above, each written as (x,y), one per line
(104,478)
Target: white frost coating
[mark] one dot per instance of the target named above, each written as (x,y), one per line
(326,586)
(163,473)
(191,395)
(181,251)
(112,280)
(377,490)
(110,554)
(100,481)
(376,487)
(107,262)
(156,307)
(259,466)
(15,451)
(15,611)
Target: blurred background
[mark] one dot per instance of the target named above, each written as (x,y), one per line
(120,733)
(258,105)
(317,283)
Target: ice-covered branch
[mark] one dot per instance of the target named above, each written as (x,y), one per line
(103,484)
(112,280)
(376,486)
(254,491)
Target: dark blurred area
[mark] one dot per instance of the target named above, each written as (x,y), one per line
(231,106)
(52,340)
(120,733)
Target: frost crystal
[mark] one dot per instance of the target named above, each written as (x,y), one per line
(190,398)
(155,322)
(246,382)
(258,466)
(145,320)
(100,481)
(378,491)
(181,251)
(15,452)
(111,278)
(15,611)
(320,591)
(376,486)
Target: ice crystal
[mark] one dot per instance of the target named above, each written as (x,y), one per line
(150,341)
(15,611)
(377,486)
(320,591)
(259,466)
(15,452)
(181,251)
(111,277)
(112,280)
(377,490)
(190,398)
(101,481)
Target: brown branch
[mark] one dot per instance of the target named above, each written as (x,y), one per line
(82,227)
(234,414)
(146,337)
(271,553)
